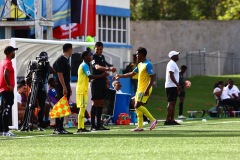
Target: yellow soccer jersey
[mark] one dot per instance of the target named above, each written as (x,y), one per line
(144,70)
(83,80)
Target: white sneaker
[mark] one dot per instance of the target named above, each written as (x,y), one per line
(181,117)
(153,124)
(8,134)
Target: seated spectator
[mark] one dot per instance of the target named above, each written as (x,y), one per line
(21,91)
(232,90)
(117,86)
(221,95)
(52,96)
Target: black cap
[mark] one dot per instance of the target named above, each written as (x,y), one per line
(9,49)
(43,54)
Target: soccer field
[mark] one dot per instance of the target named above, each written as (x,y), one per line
(194,139)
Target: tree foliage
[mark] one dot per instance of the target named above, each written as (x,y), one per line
(185,9)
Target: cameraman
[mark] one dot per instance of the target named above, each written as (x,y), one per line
(38,76)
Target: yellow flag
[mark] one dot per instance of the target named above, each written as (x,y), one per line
(60,109)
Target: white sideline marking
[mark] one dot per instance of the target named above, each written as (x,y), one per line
(112,130)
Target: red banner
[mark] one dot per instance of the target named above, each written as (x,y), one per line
(87,26)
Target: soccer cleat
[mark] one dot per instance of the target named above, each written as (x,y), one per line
(167,123)
(175,123)
(65,132)
(153,124)
(182,117)
(137,130)
(8,134)
(82,130)
(56,131)
(94,128)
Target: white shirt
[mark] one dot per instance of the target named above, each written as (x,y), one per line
(19,98)
(171,66)
(224,94)
(233,90)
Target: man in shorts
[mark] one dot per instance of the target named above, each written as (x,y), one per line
(98,86)
(172,87)
(146,77)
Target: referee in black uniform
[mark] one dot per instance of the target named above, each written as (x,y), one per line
(98,86)
(62,68)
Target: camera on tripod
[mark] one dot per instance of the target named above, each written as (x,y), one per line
(40,62)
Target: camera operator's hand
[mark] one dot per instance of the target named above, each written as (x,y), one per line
(65,91)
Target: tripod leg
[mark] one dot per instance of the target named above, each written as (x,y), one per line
(31,103)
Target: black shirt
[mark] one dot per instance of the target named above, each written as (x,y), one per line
(62,65)
(100,60)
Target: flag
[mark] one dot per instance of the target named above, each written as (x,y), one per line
(60,109)
(62,32)
(88,23)
(61,12)
(78,15)
(76,11)
(16,10)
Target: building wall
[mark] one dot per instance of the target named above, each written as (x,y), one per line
(115,53)
(160,37)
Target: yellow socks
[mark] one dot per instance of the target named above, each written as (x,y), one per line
(81,117)
(140,118)
(146,113)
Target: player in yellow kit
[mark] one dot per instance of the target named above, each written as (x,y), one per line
(146,78)
(84,75)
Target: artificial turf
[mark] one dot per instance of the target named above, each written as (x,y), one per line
(215,139)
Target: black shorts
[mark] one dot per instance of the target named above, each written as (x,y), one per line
(172,94)
(7,98)
(182,94)
(98,88)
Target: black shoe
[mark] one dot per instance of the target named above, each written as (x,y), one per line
(167,123)
(24,129)
(175,123)
(40,129)
(82,130)
(65,132)
(103,128)
(56,131)
(94,128)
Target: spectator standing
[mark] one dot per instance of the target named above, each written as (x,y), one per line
(7,84)
(146,77)
(63,88)
(172,86)
(98,86)
(182,91)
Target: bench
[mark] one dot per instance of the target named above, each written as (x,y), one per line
(193,114)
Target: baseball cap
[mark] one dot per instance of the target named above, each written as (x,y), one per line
(173,53)
(43,54)
(9,49)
